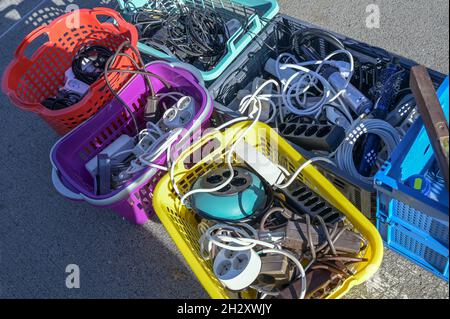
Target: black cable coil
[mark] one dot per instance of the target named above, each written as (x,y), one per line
(89,63)
(194,35)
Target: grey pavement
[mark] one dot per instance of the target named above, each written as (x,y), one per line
(41,232)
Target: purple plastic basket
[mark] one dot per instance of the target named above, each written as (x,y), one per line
(133,200)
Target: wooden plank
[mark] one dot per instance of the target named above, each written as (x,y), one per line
(433,116)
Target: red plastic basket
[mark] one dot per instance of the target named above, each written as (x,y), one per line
(28,81)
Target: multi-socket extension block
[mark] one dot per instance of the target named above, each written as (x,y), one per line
(276,271)
(302,199)
(296,233)
(314,137)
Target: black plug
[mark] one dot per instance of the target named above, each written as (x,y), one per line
(152,113)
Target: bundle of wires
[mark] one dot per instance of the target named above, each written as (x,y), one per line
(89,63)
(151,141)
(344,154)
(194,35)
(243,237)
(87,67)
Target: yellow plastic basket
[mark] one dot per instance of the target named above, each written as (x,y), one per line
(181,223)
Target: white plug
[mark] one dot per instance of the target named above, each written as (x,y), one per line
(237,270)
(74,85)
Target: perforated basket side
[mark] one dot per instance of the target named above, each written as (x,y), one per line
(181,223)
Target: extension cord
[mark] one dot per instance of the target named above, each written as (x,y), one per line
(237,270)
(179,115)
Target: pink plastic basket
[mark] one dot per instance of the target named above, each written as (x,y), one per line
(133,200)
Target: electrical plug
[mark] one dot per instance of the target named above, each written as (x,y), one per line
(152,113)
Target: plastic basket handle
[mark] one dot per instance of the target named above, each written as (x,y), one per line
(231,134)
(234,40)
(33,35)
(195,72)
(121,23)
(61,188)
(180,167)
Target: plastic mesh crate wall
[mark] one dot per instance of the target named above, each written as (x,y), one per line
(250,64)
(429,255)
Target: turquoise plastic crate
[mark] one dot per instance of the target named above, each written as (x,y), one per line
(253,15)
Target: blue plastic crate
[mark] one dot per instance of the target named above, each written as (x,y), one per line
(403,211)
(253,15)
(428,254)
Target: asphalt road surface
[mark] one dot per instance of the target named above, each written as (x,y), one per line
(41,232)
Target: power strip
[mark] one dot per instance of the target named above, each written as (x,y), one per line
(270,172)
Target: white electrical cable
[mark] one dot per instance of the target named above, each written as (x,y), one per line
(299,84)
(294,176)
(344,154)
(243,243)
(229,158)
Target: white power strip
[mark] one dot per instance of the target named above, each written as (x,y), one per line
(270,172)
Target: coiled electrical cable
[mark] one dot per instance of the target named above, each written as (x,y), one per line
(344,154)
(89,63)
(192,34)
(299,85)
(302,39)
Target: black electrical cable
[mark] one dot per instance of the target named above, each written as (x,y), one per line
(193,35)
(140,70)
(63,100)
(89,62)
(302,43)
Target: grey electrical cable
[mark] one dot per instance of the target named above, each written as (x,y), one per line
(344,154)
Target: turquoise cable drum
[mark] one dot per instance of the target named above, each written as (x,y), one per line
(243,199)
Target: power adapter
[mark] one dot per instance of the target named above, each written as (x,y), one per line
(237,270)
(276,272)
(123,143)
(316,281)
